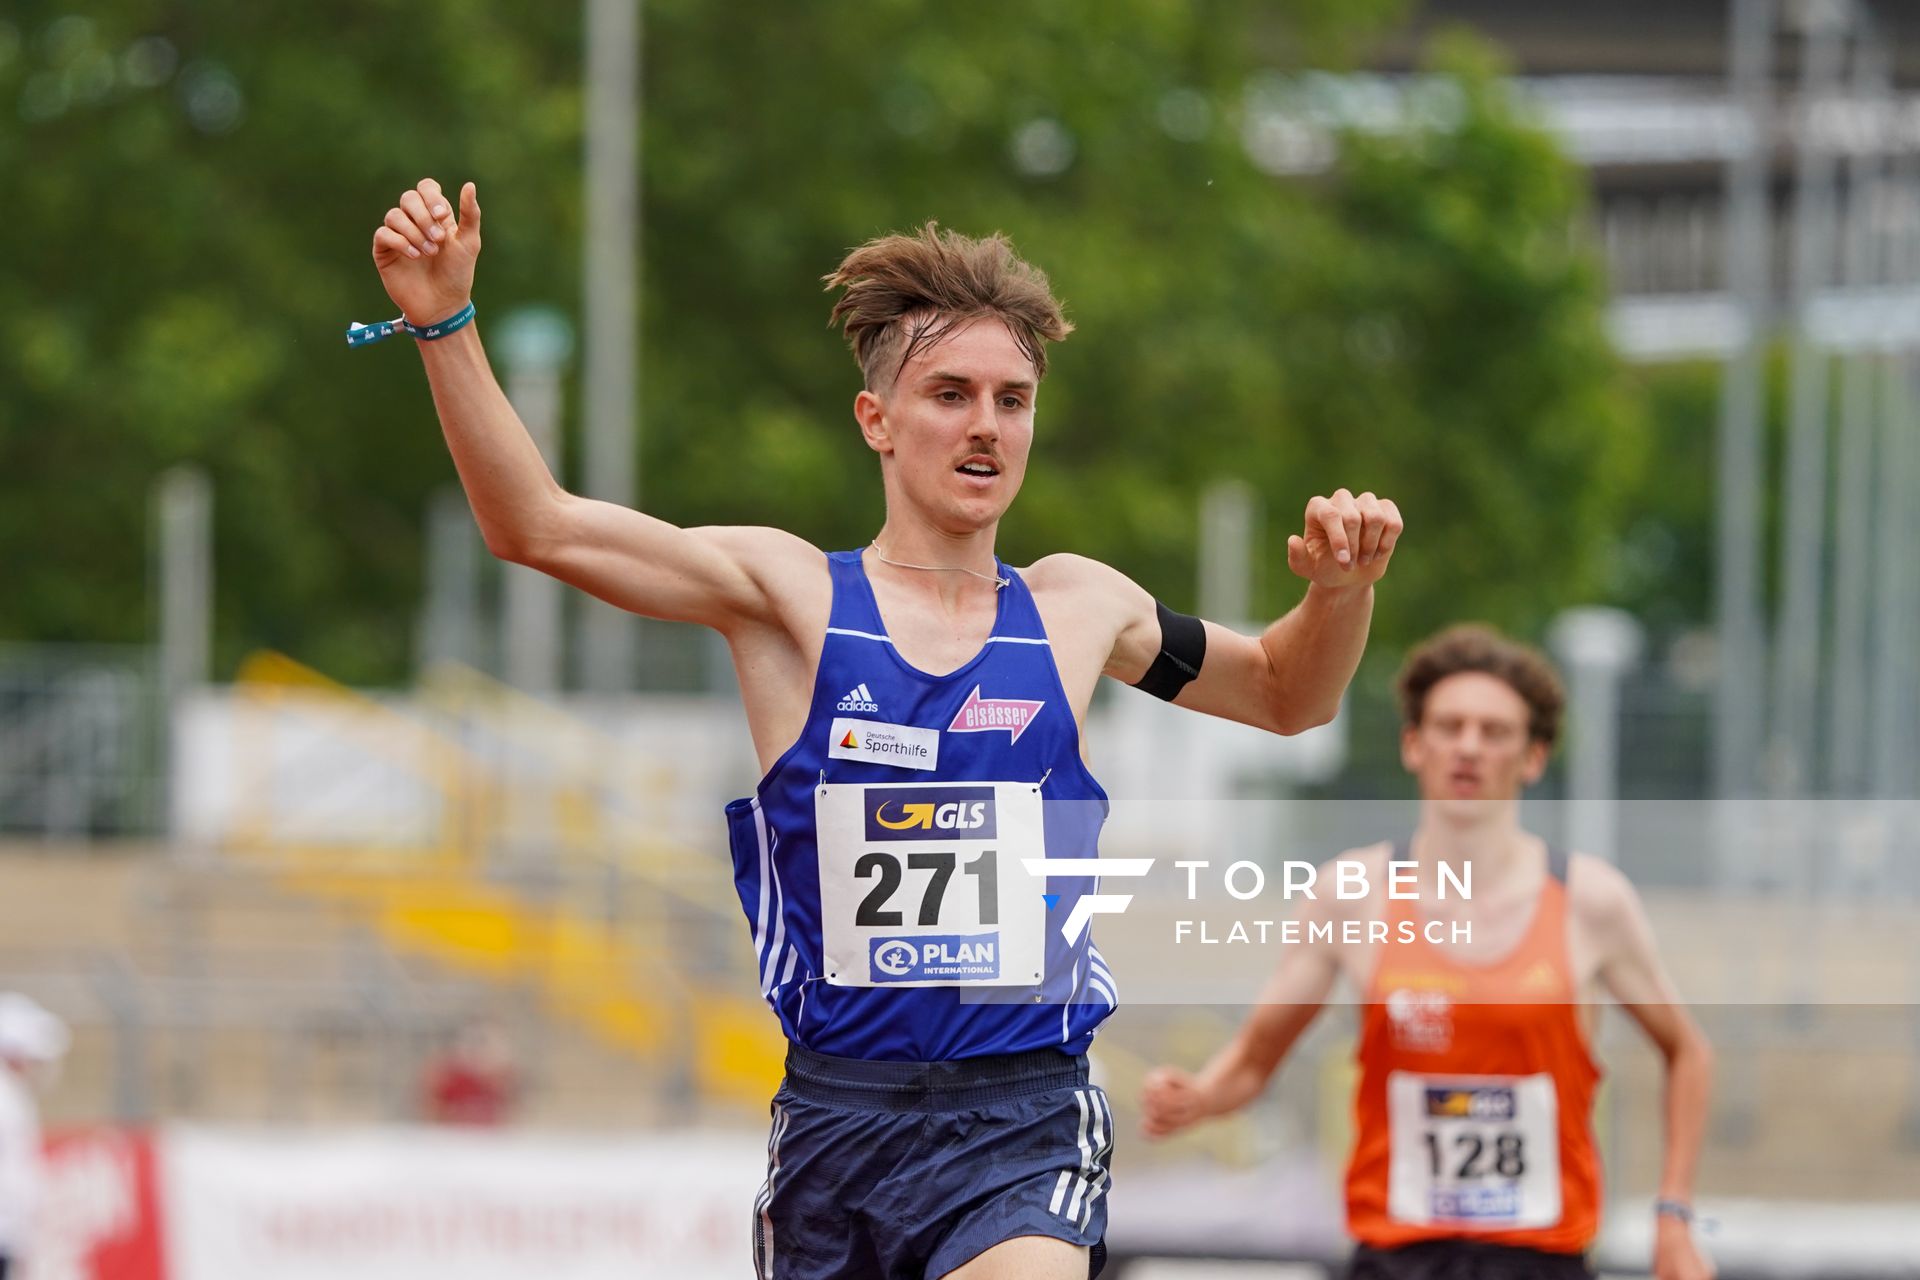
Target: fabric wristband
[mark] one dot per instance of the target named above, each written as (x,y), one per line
(360,335)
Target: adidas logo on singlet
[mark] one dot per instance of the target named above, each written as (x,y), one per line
(858,699)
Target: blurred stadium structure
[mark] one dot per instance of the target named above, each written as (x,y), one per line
(267,903)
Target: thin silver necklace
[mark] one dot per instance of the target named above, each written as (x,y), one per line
(997,581)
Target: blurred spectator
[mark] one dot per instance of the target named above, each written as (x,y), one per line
(475,1082)
(32,1042)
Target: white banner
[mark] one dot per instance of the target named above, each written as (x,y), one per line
(408,1204)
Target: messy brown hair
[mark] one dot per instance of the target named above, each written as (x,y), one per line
(1472,647)
(904,293)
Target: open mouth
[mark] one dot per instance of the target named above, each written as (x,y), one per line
(979,468)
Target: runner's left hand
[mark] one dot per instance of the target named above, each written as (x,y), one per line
(1676,1256)
(1363,530)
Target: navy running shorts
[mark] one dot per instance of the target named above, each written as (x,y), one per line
(906,1170)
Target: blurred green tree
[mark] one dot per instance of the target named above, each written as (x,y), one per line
(191,192)
(201,182)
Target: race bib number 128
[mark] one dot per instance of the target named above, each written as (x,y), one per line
(1474,1151)
(924,884)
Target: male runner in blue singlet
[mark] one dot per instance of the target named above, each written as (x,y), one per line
(917,707)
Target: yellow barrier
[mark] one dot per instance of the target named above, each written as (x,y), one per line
(427,893)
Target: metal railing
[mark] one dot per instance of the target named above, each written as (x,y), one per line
(81,742)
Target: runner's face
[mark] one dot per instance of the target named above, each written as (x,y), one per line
(1471,743)
(957,424)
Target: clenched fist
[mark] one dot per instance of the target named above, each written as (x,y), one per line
(1171,1100)
(425,255)
(1347,541)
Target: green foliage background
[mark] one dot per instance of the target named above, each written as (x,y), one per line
(187,236)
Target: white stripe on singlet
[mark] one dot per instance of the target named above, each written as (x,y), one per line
(765,883)
(779,924)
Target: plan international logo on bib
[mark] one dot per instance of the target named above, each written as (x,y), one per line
(935,957)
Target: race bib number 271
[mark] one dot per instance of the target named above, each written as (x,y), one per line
(924,884)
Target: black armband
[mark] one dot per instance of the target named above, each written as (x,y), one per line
(1183,647)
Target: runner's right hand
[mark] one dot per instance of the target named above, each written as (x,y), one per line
(425,256)
(1171,1100)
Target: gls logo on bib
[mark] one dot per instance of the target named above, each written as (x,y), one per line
(929,813)
(1495,1103)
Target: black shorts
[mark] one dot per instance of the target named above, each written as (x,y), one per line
(1465,1260)
(898,1170)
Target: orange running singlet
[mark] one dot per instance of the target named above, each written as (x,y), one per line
(1474,1113)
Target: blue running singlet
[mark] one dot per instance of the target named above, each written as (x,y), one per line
(882,860)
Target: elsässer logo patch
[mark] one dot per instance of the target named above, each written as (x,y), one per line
(988,715)
(929,813)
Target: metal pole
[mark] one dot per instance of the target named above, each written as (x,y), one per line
(537,342)
(1739,699)
(1792,737)
(611,287)
(183,505)
(1853,496)
(1597,646)
(450,621)
(118,988)
(183,582)
(1896,679)
(1229,524)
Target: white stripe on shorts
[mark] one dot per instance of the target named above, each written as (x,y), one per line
(763,1242)
(1104,1149)
(1060,1191)
(1086,1156)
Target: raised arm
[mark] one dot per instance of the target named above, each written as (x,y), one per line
(717,576)
(1293,675)
(1173,1099)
